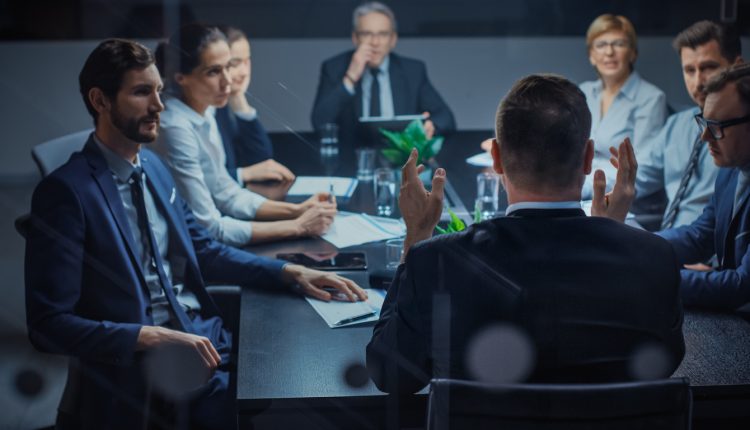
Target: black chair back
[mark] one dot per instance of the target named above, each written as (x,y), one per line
(659,404)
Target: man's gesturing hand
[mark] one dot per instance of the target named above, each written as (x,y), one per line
(616,203)
(420,208)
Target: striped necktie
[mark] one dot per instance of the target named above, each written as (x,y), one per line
(692,165)
(136,190)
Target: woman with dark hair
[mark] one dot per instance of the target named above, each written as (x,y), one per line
(622,104)
(195,66)
(248,148)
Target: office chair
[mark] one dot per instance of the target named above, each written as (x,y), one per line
(52,154)
(658,404)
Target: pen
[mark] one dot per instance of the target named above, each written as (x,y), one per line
(330,193)
(353,319)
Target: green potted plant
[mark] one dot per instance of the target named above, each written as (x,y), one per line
(456,224)
(413,136)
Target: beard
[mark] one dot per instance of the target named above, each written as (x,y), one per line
(131,127)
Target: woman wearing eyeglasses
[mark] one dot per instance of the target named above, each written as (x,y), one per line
(622,104)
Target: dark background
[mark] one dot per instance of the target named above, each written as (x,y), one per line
(96,19)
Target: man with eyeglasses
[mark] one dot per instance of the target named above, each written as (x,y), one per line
(371,81)
(723,228)
(679,162)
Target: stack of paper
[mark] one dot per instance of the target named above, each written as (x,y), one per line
(350,229)
(341,314)
(309,185)
(482,160)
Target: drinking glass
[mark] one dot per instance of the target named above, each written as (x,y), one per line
(385,191)
(329,139)
(394,248)
(486,204)
(365,163)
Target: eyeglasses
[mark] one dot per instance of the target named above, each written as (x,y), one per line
(236,62)
(618,44)
(368,35)
(716,128)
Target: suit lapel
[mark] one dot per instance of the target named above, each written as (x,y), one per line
(103,177)
(398,87)
(179,237)
(727,226)
(159,191)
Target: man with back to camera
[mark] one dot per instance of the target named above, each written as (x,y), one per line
(722,229)
(679,161)
(116,262)
(564,282)
(349,80)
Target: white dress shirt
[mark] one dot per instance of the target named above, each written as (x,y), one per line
(191,146)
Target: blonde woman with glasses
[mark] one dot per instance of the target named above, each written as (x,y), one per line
(622,104)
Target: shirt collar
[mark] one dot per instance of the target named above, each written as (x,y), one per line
(384,65)
(121,167)
(542,205)
(631,84)
(628,88)
(180,108)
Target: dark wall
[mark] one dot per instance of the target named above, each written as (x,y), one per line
(97,19)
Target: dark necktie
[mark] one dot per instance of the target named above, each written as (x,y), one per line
(674,208)
(375,93)
(150,246)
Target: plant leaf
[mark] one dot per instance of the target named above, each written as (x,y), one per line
(477,215)
(436,144)
(395,156)
(415,131)
(396,140)
(456,223)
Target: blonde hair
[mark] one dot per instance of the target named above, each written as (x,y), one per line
(609,22)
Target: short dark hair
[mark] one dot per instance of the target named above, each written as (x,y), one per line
(181,53)
(740,75)
(705,31)
(233,34)
(106,66)
(542,126)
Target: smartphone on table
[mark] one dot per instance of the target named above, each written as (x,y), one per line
(327,261)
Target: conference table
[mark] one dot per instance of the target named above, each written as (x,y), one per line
(293,369)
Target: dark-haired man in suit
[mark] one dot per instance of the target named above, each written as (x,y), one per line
(724,226)
(372,81)
(116,263)
(563,282)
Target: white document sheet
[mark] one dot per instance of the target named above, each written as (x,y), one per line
(334,312)
(349,229)
(309,185)
(482,160)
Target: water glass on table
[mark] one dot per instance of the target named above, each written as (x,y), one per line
(394,249)
(488,186)
(385,191)
(329,139)
(365,163)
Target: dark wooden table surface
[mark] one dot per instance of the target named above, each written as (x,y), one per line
(291,361)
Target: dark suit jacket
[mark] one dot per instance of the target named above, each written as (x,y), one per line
(86,296)
(716,231)
(245,142)
(412,94)
(586,292)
